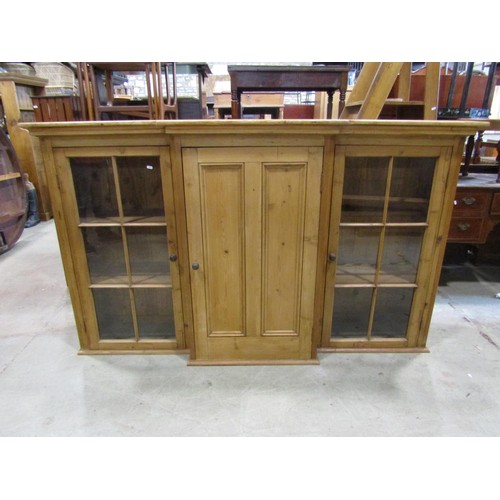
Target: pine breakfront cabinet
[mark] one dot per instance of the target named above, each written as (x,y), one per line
(246,242)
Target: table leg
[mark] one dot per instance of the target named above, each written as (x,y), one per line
(341,100)
(329,107)
(476,157)
(498,161)
(468,155)
(235,104)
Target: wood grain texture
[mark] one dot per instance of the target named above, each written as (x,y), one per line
(253,216)
(258,205)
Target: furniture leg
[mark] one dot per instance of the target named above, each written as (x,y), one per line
(476,157)
(235,104)
(329,108)
(498,160)
(341,100)
(464,171)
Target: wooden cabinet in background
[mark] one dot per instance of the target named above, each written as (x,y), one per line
(253,241)
(16,92)
(476,209)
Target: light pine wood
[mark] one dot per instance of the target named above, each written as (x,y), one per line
(270,195)
(379,90)
(447,197)
(80,280)
(25,146)
(230,203)
(427,260)
(431,91)
(371,90)
(404,82)
(362,86)
(375,82)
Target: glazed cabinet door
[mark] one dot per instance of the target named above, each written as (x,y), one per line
(119,215)
(386,208)
(252,221)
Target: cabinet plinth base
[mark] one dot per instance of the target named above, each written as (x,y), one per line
(402,350)
(250,362)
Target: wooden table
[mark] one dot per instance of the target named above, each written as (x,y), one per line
(287,78)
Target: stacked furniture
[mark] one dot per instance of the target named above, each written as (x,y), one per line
(157,104)
(16,93)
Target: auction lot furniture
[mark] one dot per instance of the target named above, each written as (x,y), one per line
(16,92)
(327,79)
(476,209)
(12,196)
(252,241)
(155,105)
(252,104)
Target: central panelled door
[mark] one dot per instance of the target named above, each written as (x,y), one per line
(252,218)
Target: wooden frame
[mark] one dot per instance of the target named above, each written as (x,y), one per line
(17,110)
(331,141)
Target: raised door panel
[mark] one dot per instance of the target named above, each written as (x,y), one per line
(252,216)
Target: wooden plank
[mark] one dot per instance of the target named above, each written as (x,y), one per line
(443,226)
(362,85)
(253,250)
(9,176)
(323,233)
(431,91)
(37,110)
(23,144)
(333,243)
(404,82)
(379,90)
(173,245)
(183,263)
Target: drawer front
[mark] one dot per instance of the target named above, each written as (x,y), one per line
(495,205)
(465,230)
(469,203)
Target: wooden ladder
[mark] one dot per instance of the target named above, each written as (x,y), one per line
(376,80)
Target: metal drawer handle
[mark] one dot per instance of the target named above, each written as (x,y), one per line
(469,200)
(463,226)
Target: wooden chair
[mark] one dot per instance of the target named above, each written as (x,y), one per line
(98,106)
(166,106)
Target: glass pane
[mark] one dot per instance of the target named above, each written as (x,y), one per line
(392,312)
(401,254)
(410,189)
(148,254)
(155,313)
(364,189)
(351,312)
(357,255)
(105,256)
(94,188)
(114,314)
(140,186)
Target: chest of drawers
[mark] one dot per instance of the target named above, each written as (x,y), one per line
(476,209)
